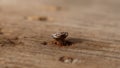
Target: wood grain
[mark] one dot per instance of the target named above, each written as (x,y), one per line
(93,27)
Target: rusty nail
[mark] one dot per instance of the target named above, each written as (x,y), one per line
(60,37)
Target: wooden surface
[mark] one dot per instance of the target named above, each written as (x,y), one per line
(93,27)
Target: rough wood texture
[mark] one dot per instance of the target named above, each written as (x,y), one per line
(93,26)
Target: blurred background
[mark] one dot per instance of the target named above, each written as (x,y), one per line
(93,25)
